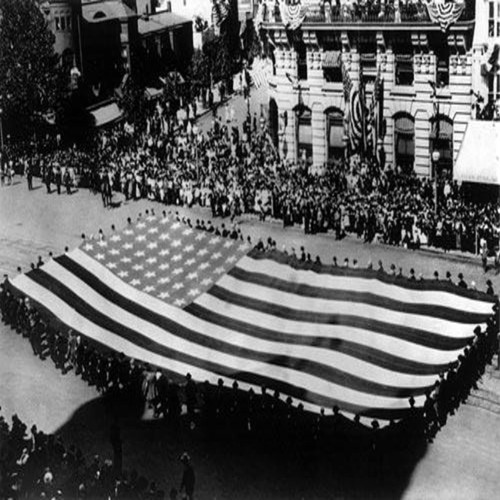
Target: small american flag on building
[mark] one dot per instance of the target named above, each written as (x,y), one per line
(189,301)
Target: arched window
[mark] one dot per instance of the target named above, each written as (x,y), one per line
(303,118)
(404,141)
(334,133)
(441,139)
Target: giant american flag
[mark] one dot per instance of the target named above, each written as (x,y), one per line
(189,301)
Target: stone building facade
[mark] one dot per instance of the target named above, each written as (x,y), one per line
(412,54)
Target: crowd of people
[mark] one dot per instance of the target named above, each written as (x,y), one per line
(238,172)
(34,464)
(218,409)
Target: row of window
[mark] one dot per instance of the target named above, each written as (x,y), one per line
(403,70)
(494,19)
(62,22)
(441,138)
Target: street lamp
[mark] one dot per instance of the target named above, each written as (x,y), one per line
(436,155)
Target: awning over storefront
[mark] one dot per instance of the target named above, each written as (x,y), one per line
(106,113)
(479,155)
(332,59)
(151,93)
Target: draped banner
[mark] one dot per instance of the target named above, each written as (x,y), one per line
(354,109)
(445,13)
(189,301)
(292,13)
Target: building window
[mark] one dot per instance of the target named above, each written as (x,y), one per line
(494,19)
(404,69)
(301,51)
(441,139)
(68,23)
(57,20)
(404,142)
(493,87)
(332,71)
(442,64)
(335,133)
(63,23)
(304,133)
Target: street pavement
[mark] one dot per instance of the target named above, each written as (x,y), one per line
(462,463)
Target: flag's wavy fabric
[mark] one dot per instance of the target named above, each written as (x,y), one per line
(189,301)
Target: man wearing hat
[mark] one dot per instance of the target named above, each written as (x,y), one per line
(490,290)
(461,282)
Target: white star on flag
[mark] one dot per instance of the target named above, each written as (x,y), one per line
(179,302)
(140,225)
(176,225)
(177,286)
(177,258)
(135,282)
(140,237)
(194,292)
(164,280)
(186,232)
(102,243)
(140,253)
(203,265)
(164,220)
(149,274)
(138,267)
(164,236)
(200,236)
(232,258)
(151,260)
(177,271)
(125,260)
(111,265)
(206,282)
(164,295)
(148,288)
(164,266)
(176,243)
(164,252)
(100,256)
(115,237)
(202,252)
(189,248)
(123,274)
(153,230)
(228,244)
(151,218)
(213,240)
(216,255)
(152,245)
(114,251)
(242,247)
(128,231)
(190,262)
(127,246)
(219,270)
(192,276)
(88,247)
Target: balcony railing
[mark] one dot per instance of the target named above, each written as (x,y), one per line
(374,13)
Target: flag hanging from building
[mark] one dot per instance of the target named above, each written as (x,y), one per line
(375,121)
(355,115)
(188,301)
(445,13)
(220,11)
(292,13)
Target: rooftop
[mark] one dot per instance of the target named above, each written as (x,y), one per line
(159,22)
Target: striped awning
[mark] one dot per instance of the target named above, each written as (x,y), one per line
(332,59)
(404,125)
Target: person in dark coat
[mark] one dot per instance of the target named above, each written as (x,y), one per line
(188,477)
